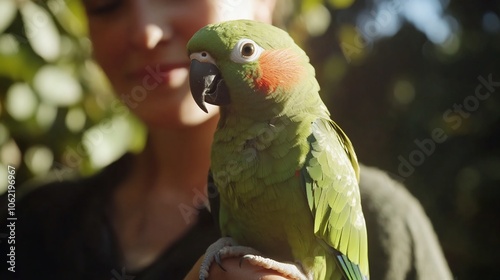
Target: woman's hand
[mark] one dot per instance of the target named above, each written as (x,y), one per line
(234,271)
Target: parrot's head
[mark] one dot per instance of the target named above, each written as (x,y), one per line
(243,65)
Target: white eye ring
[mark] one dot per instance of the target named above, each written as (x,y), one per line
(245,51)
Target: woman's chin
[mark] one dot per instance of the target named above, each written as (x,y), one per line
(171,111)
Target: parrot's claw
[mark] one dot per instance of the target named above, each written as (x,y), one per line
(223,248)
(226,247)
(289,270)
(218,260)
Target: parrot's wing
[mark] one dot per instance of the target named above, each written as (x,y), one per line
(330,178)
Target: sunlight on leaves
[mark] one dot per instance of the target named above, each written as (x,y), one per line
(107,140)
(7,13)
(75,119)
(317,20)
(10,153)
(39,159)
(21,102)
(41,31)
(56,86)
(70,16)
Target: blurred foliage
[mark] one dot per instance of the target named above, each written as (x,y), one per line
(55,100)
(400,77)
(409,101)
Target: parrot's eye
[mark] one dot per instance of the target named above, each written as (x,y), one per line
(245,51)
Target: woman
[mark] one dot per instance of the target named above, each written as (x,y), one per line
(153,35)
(144,216)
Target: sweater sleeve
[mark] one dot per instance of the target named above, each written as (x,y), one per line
(401,241)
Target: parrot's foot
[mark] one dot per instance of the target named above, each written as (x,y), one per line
(226,247)
(289,270)
(223,248)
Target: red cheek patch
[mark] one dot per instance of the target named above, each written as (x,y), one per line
(279,68)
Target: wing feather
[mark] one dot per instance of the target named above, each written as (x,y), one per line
(330,177)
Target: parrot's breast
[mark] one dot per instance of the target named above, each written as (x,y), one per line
(262,202)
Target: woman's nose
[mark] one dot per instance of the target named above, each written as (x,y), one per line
(147,27)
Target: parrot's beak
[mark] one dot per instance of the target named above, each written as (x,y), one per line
(207,84)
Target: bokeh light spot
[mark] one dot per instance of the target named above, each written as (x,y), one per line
(404,92)
(20,101)
(41,31)
(75,119)
(38,159)
(7,13)
(56,86)
(491,22)
(317,20)
(107,141)
(10,153)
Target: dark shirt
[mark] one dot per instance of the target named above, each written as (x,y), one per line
(63,231)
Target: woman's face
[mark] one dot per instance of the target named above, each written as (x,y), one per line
(141,46)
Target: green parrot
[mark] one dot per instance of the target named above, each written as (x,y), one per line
(286,174)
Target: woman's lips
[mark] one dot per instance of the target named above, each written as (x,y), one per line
(152,74)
